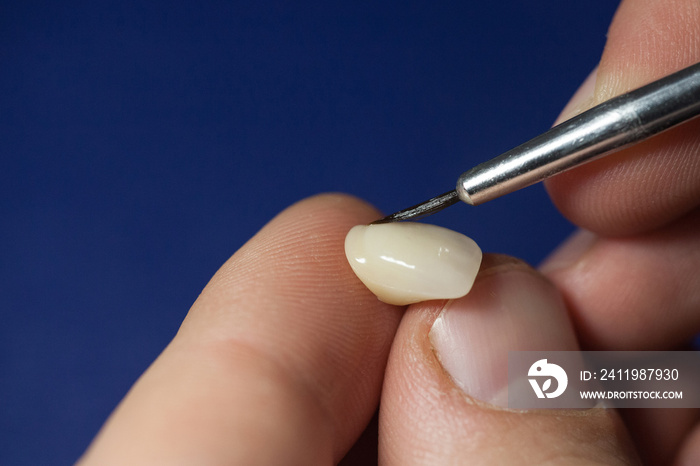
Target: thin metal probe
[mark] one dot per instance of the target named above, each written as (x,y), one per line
(611,126)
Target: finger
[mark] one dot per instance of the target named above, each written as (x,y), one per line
(654,182)
(690,451)
(635,293)
(364,451)
(660,434)
(279,361)
(443,392)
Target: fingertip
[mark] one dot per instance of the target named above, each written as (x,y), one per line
(636,190)
(284,347)
(652,183)
(291,292)
(689,454)
(443,393)
(342,207)
(583,98)
(647,40)
(569,253)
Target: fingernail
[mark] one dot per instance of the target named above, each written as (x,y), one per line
(510,308)
(582,100)
(570,252)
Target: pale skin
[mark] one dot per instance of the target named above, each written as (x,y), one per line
(285,357)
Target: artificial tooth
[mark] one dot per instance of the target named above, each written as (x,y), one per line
(404,263)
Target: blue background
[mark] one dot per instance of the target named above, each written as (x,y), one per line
(144,142)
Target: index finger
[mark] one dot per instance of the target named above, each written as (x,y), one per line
(280,360)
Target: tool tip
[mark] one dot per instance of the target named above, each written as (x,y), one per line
(423,209)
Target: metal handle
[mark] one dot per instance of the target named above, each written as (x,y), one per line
(604,129)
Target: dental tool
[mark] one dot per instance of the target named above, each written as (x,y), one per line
(606,128)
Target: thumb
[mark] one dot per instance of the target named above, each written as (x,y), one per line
(443,392)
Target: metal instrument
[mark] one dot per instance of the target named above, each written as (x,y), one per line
(615,124)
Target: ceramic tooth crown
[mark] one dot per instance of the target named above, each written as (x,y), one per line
(407,262)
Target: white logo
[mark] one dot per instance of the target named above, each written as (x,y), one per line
(543,369)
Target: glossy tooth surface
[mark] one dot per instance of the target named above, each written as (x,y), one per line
(406,262)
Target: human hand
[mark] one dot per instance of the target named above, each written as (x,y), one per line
(630,281)
(284,357)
